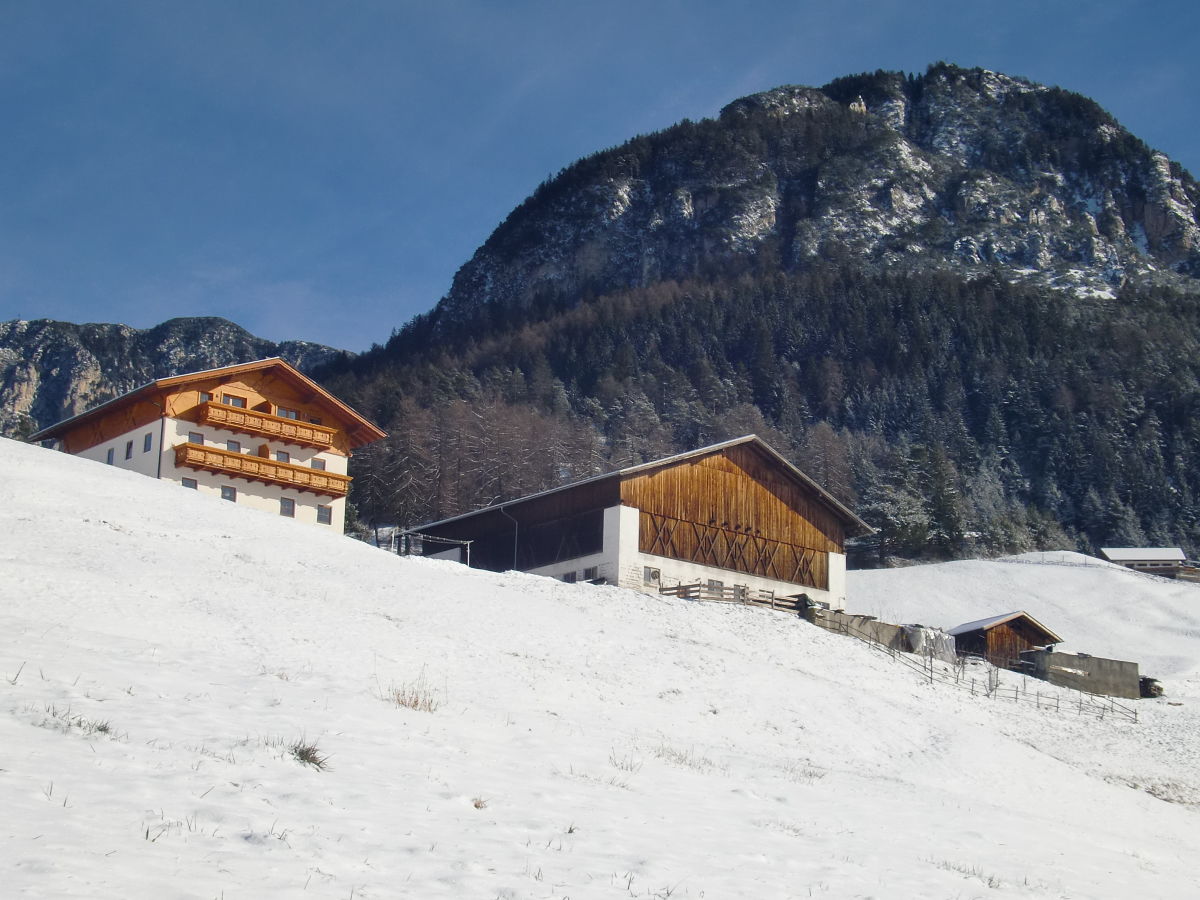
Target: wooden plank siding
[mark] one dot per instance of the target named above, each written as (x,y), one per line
(734,510)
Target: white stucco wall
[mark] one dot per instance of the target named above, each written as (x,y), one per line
(605,562)
(159,462)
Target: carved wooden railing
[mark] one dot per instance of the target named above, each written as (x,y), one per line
(741,551)
(257,468)
(249,421)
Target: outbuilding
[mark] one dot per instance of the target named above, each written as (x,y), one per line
(734,517)
(1002,639)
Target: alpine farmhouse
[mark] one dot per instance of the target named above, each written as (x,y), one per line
(260,433)
(735,518)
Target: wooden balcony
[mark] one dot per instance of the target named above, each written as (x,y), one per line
(260,424)
(257,468)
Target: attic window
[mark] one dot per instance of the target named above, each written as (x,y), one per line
(233,400)
(285,413)
(205,397)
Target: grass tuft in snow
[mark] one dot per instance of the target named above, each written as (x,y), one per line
(308,753)
(66,721)
(688,759)
(416,695)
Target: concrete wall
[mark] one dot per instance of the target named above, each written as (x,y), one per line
(1094,674)
(858,626)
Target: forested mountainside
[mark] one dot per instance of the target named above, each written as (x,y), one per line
(52,370)
(966,303)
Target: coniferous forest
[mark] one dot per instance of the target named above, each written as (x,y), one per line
(955,415)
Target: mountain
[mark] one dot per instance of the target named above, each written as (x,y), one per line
(965,170)
(52,370)
(965,302)
(203,700)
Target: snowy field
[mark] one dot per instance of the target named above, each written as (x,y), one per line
(167,659)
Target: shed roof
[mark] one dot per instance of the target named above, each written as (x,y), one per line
(855,525)
(993,621)
(1143,554)
(361,430)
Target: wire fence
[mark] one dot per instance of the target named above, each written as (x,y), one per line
(965,675)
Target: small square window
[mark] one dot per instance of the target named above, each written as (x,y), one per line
(129,449)
(313,420)
(285,413)
(205,397)
(287,507)
(147,442)
(651,576)
(318,464)
(195,437)
(233,446)
(282,456)
(229,492)
(233,400)
(324,515)
(570,577)
(109,456)
(190,483)
(591,573)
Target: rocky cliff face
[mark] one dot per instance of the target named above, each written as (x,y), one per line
(966,170)
(52,370)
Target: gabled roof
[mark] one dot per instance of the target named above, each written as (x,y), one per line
(993,621)
(854,523)
(1143,554)
(362,430)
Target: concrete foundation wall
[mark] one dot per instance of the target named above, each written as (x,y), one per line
(858,626)
(1094,674)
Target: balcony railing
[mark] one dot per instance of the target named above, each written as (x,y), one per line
(257,468)
(249,421)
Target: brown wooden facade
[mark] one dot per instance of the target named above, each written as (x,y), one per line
(1002,641)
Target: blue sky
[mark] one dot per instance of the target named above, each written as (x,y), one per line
(319,170)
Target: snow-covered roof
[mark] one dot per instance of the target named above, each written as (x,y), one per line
(993,621)
(1143,554)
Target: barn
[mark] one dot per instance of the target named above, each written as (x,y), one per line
(734,516)
(1002,639)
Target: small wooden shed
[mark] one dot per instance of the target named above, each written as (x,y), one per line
(1001,639)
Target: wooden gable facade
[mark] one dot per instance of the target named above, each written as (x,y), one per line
(312,416)
(736,509)
(1002,639)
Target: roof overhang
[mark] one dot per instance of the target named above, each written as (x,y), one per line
(361,430)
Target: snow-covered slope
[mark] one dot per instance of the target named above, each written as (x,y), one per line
(160,653)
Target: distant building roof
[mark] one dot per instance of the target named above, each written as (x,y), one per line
(1143,554)
(993,621)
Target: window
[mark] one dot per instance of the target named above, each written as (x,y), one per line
(233,400)
(205,397)
(282,456)
(129,449)
(714,585)
(229,492)
(651,576)
(285,413)
(147,442)
(287,507)
(318,464)
(195,437)
(591,573)
(313,420)
(190,483)
(233,446)
(108,457)
(570,577)
(324,515)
